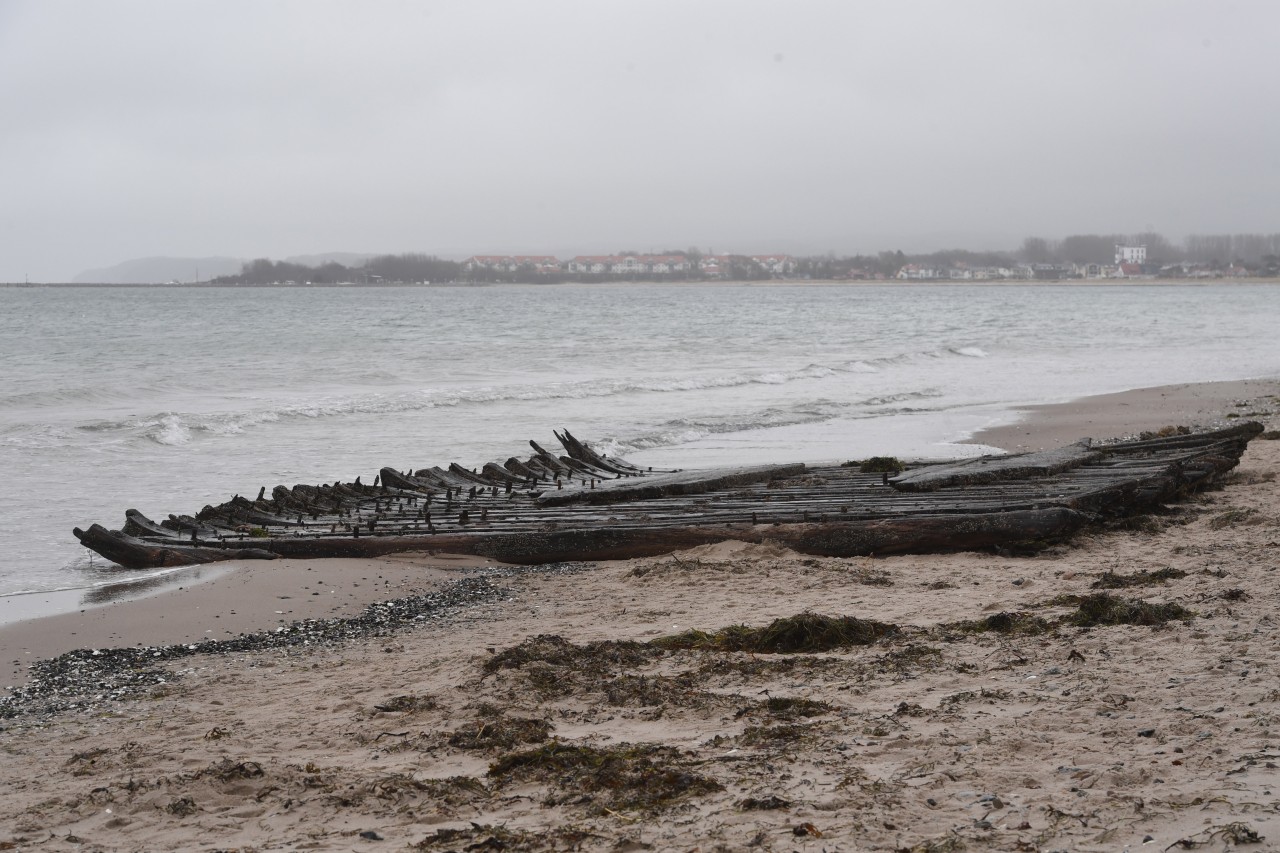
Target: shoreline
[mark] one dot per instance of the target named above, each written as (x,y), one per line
(226,599)
(1106,416)
(782,282)
(238,597)
(990,705)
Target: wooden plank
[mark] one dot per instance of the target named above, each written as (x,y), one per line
(989,469)
(667,485)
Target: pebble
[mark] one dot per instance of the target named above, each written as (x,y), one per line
(85,679)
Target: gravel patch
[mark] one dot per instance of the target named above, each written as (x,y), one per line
(85,679)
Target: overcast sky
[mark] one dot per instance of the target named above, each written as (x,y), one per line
(267,129)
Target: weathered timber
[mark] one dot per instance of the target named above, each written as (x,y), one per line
(137,524)
(930,534)
(668,485)
(518,513)
(581,452)
(991,469)
(1242,432)
(135,553)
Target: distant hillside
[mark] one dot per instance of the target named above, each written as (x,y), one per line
(161,270)
(186,270)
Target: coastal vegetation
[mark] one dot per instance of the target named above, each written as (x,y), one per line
(1037,258)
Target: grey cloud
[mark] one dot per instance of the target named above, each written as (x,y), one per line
(245,129)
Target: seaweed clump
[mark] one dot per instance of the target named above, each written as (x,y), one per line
(1113,580)
(554,650)
(651,690)
(1105,609)
(1234,517)
(790,708)
(493,730)
(879,465)
(641,776)
(804,632)
(1012,622)
(486,836)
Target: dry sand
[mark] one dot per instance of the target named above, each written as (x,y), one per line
(938,737)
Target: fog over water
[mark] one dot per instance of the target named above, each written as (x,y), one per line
(245,129)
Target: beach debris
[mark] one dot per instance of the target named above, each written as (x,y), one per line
(1236,516)
(644,777)
(492,729)
(760,804)
(550,507)
(1114,580)
(486,836)
(1106,609)
(1234,833)
(1014,622)
(228,769)
(804,632)
(775,736)
(182,807)
(879,465)
(406,704)
(555,650)
(791,708)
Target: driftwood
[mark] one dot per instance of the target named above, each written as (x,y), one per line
(584,506)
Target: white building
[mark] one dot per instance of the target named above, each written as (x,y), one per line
(1131,254)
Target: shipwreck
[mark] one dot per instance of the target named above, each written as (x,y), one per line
(584,505)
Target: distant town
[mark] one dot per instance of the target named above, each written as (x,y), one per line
(1074,258)
(1088,257)
(1130,263)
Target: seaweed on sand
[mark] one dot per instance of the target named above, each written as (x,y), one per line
(1234,517)
(775,736)
(555,650)
(1105,609)
(909,658)
(453,791)
(1113,580)
(485,836)
(786,708)
(651,690)
(790,708)
(409,703)
(494,730)
(628,776)
(1012,622)
(804,632)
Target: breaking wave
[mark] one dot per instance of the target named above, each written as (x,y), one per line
(176,428)
(684,430)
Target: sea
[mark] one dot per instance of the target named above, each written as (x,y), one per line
(166,399)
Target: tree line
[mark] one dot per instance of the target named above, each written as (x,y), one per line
(1215,251)
(398,269)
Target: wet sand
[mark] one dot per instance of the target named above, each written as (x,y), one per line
(1128,413)
(241,597)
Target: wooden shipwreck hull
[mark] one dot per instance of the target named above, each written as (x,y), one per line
(581,505)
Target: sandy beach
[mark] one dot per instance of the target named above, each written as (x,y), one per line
(975,701)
